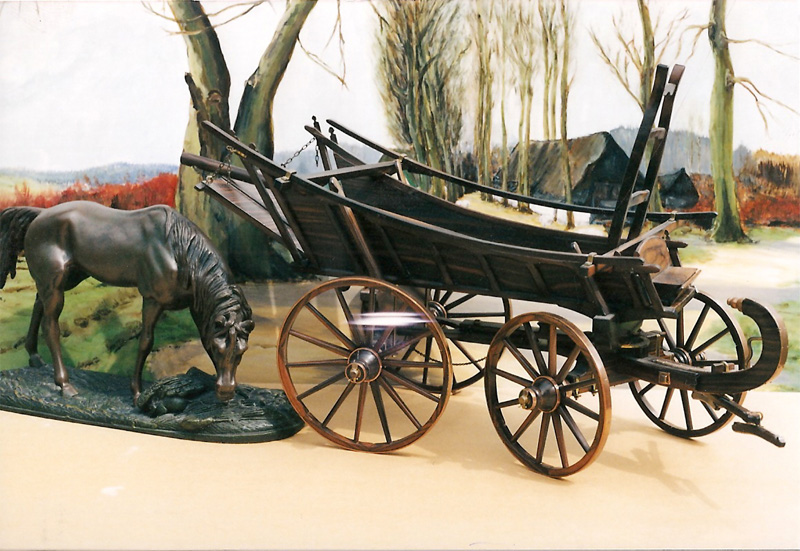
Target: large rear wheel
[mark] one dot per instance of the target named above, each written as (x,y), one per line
(348,365)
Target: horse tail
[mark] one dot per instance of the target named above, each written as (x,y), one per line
(14,222)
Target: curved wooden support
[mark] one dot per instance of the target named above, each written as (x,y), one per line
(774,349)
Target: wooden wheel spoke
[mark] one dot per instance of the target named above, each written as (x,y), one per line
(428,345)
(399,379)
(523,361)
(568,364)
(324,384)
(383,338)
(513,378)
(330,347)
(665,405)
(409,342)
(574,429)
(525,425)
(348,315)
(710,341)
(362,400)
(376,395)
(562,446)
(698,325)
(344,339)
(648,388)
(552,351)
(445,297)
(680,329)
(459,301)
(533,342)
(334,362)
(466,353)
(667,334)
(542,437)
(345,393)
(400,403)
(580,408)
(372,306)
(507,403)
(687,412)
(710,411)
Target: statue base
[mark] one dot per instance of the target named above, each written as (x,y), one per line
(184,406)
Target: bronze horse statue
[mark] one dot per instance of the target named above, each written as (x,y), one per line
(155,249)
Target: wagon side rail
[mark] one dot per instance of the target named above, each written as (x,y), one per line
(632,204)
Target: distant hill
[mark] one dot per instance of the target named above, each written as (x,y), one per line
(684,149)
(116,173)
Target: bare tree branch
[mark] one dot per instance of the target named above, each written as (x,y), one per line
(764,44)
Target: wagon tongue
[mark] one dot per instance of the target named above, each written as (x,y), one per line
(758,430)
(752,419)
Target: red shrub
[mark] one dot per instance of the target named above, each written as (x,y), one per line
(156,191)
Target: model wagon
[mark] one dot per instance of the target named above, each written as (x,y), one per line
(417,298)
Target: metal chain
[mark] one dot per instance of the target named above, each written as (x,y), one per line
(286,163)
(457,363)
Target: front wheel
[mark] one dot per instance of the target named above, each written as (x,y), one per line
(548,393)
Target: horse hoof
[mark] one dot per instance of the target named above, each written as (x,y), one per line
(68,391)
(36,361)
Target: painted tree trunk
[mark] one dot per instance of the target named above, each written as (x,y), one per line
(251,253)
(209,87)
(248,252)
(728,226)
(564,80)
(483,111)
(254,120)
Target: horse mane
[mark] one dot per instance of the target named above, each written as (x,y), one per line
(202,269)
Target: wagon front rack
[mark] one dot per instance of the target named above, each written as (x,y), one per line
(420,304)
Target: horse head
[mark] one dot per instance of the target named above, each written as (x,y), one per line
(228,343)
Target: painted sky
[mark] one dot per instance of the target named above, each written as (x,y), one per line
(85,83)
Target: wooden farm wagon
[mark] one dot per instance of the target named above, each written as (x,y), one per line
(416,302)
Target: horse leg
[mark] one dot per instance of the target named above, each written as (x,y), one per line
(52,305)
(151,311)
(32,339)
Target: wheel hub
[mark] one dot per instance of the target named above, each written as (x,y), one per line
(363,366)
(437,309)
(542,395)
(682,356)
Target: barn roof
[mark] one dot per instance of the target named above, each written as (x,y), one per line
(593,158)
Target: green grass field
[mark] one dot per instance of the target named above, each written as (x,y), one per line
(100,325)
